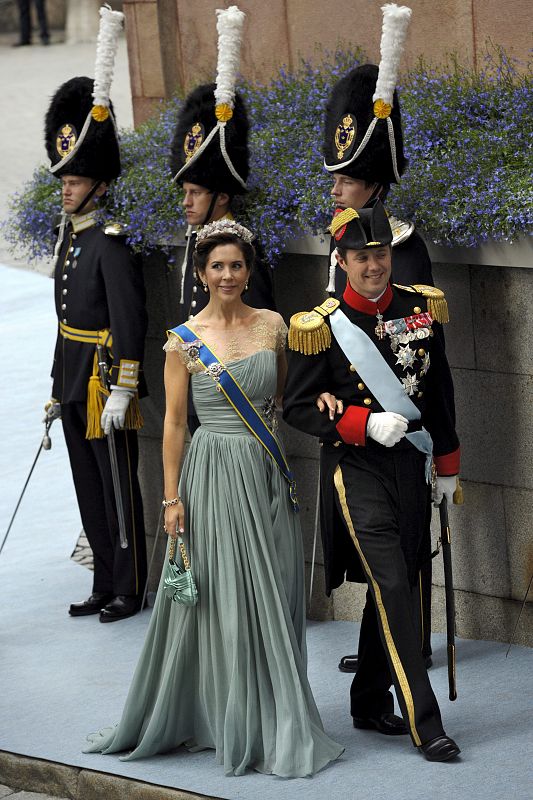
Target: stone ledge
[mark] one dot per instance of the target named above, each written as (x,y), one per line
(477,616)
(38,775)
(60,780)
(499,254)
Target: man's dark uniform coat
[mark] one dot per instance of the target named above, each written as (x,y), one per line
(386,494)
(99,285)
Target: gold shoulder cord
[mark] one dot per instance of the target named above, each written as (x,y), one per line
(437,305)
(308,332)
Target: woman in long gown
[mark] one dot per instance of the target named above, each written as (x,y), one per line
(230,672)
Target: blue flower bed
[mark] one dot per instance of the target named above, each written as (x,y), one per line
(468,140)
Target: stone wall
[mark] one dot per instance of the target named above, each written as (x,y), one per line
(492,364)
(172,43)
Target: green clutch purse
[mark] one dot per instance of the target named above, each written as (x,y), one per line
(179,583)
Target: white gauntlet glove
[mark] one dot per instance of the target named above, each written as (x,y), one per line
(52,410)
(114,412)
(444,487)
(386,427)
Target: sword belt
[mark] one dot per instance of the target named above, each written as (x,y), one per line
(103,336)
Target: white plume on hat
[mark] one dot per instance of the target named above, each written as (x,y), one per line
(230,24)
(106,50)
(393,34)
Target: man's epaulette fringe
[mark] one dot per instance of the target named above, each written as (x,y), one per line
(437,305)
(308,332)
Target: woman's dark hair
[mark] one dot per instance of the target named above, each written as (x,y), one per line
(203,249)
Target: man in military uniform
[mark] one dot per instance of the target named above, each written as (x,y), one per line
(100,300)
(212,175)
(357,182)
(210,187)
(375,351)
(369,176)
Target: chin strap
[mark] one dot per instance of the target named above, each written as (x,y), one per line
(89,196)
(211,208)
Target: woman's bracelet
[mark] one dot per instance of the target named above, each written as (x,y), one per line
(174,502)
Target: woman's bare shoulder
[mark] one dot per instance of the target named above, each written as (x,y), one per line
(272,318)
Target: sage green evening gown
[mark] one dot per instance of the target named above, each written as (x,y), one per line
(230,672)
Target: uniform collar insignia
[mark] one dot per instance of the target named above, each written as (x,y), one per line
(360,303)
(81,222)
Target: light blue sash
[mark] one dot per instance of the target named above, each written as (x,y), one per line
(380,379)
(241,404)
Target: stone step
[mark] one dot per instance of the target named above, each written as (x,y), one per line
(24,778)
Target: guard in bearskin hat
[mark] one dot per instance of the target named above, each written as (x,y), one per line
(374,353)
(100,304)
(363,148)
(364,153)
(209,157)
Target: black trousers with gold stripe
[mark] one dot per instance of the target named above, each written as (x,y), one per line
(382,499)
(116,570)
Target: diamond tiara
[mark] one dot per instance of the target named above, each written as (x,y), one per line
(224,226)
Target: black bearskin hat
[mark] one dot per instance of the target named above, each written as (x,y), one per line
(349,112)
(367,227)
(196,121)
(98,155)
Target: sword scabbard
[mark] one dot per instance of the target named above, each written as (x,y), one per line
(446,541)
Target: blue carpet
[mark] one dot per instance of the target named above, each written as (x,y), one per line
(62,678)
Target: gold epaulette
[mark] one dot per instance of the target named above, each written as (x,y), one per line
(308,333)
(115,229)
(437,305)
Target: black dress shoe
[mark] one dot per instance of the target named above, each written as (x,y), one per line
(442,748)
(120,607)
(21,44)
(348,664)
(93,605)
(388,723)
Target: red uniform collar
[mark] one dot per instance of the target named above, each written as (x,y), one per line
(360,303)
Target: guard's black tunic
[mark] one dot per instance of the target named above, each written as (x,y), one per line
(374,500)
(99,285)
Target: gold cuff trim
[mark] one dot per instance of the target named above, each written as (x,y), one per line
(128,374)
(391,647)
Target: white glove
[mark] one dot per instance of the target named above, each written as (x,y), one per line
(444,487)
(114,412)
(52,410)
(386,427)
